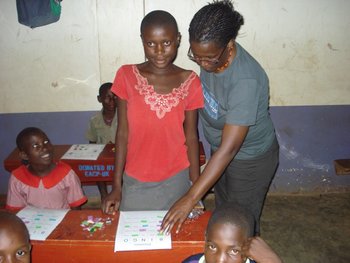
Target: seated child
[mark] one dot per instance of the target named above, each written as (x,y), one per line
(42,182)
(14,239)
(103,126)
(227,239)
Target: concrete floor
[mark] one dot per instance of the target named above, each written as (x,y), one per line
(301,228)
(308,229)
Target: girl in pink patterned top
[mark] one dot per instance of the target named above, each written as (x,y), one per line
(157,139)
(42,182)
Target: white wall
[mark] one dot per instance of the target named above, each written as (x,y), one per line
(303,45)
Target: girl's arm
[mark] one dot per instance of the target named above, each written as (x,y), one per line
(111,203)
(191,134)
(232,139)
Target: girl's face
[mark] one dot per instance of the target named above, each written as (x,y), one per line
(38,151)
(160,44)
(224,244)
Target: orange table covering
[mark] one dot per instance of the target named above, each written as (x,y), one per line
(89,171)
(69,242)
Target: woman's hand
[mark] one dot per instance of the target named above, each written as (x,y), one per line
(177,214)
(111,203)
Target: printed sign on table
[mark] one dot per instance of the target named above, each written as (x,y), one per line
(41,222)
(84,151)
(139,230)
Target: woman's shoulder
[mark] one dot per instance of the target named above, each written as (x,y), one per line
(247,62)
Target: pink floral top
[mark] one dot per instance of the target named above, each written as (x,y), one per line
(156,142)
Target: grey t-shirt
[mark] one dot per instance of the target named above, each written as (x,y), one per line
(238,96)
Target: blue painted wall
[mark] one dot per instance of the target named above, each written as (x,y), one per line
(310,137)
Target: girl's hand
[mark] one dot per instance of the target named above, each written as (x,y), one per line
(111,203)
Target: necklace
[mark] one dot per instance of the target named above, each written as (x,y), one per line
(227,63)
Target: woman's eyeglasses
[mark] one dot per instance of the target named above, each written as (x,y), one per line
(199,60)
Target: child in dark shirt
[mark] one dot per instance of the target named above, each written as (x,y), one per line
(229,239)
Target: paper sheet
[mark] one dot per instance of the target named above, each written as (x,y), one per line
(139,230)
(84,151)
(41,222)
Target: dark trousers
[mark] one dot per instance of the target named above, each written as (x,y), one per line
(246,182)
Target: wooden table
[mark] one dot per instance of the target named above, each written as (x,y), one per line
(89,171)
(70,243)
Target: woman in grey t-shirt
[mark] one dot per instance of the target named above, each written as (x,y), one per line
(235,118)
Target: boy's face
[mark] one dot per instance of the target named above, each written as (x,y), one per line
(108,100)
(224,244)
(37,150)
(14,245)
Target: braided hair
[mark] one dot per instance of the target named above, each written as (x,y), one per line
(217,21)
